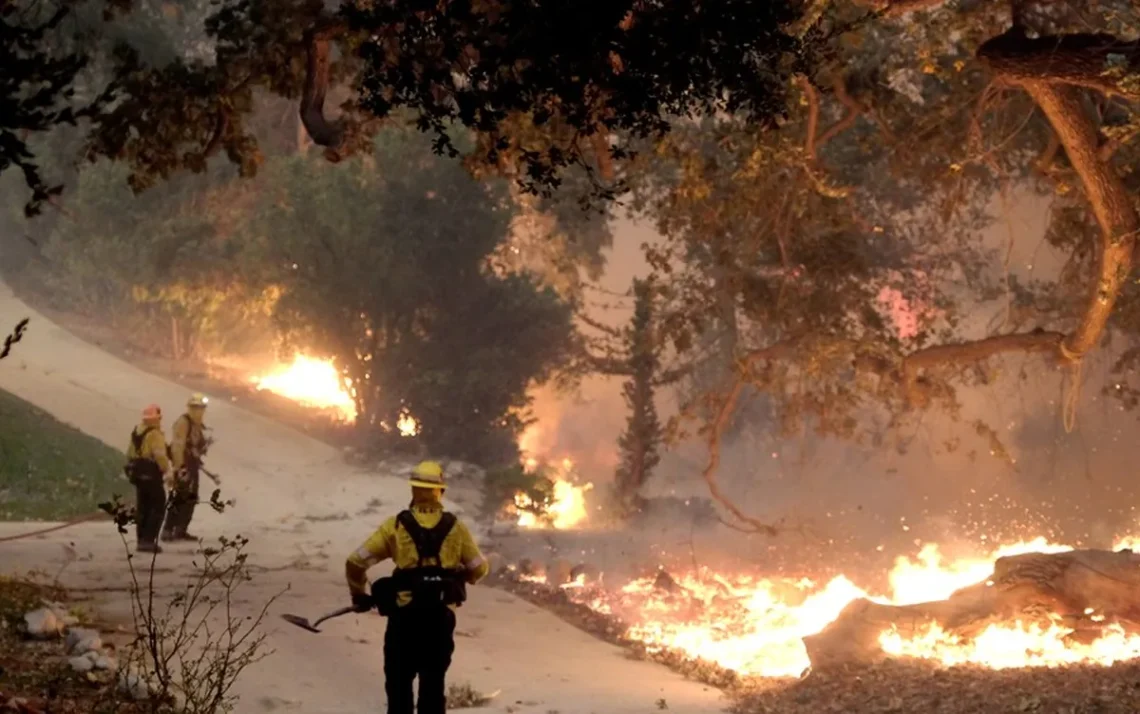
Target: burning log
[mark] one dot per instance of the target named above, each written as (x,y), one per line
(1084,592)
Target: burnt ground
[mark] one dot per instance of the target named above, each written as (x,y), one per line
(920,688)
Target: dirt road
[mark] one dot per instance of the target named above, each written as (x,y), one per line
(304,509)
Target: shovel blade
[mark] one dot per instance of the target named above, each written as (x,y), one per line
(302,622)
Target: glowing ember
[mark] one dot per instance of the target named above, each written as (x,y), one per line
(407,425)
(311,382)
(756,626)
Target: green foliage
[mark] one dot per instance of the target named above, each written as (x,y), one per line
(160,267)
(502,485)
(49,471)
(641,440)
(383,265)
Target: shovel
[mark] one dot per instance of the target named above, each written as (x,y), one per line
(304,623)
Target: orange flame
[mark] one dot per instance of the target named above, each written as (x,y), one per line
(311,382)
(756,626)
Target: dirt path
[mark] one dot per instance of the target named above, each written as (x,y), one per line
(304,509)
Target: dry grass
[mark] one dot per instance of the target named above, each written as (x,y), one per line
(465,696)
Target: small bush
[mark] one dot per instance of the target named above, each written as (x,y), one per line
(464,696)
(501,486)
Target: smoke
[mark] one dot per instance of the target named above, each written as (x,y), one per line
(944,479)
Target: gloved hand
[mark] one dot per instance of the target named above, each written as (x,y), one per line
(361,602)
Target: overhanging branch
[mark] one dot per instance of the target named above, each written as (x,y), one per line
(1050,70)
(1094,61)
(317,46)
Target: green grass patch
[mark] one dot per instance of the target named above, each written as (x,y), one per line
(50,471)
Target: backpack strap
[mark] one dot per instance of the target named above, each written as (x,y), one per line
(137,439)
(428,541)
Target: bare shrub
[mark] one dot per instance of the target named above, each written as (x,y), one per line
(190,648)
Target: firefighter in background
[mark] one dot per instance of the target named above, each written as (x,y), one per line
(147,465)
(187,447)
(435,558)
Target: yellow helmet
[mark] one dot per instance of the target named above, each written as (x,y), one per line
(427,474)
(197,399)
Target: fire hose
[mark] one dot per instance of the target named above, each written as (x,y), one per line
(81,519)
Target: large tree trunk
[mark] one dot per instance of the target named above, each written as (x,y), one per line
(1028,588)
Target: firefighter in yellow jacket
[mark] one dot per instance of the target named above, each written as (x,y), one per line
(187,447)
(148,463)
(435,558)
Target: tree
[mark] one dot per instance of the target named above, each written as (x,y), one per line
(642,438)
(789,250)
(581,73)
(383,267)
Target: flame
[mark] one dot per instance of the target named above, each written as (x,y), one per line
(407,425)
(1015,645)
(756,626)
(312,382)
(567,508)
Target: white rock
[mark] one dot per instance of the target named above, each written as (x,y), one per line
(81,664)
(43,624)
(62,612)
(136,686)
(102,661)
(81,640)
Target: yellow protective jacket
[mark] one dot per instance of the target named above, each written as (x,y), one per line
(188,440)
(391,540)
(153,446)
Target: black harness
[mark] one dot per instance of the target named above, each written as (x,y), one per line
(140,468)
(430,584)
(195,441)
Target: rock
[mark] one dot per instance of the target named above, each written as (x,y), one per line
(135,685)
(43,624)
(81,664)
(62,612)
(104,663)
(81,640)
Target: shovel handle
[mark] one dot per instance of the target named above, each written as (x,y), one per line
(334,613)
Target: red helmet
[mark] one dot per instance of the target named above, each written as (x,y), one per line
(152,411)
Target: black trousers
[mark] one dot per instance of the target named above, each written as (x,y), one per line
(183,499)
(150,508)
(419,642)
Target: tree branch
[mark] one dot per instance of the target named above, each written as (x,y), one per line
(1045,161)
(813,115)
(16,335)
(1094,61)
(606,329)
(854,111)
(323,132)
(970,352)
(1050,70)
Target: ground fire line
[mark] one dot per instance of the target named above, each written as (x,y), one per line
(1031,604)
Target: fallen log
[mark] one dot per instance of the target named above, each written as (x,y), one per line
(1030,588)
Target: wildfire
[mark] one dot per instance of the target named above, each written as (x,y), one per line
(567,506)
(756,626)
(312,382)
(407,425)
